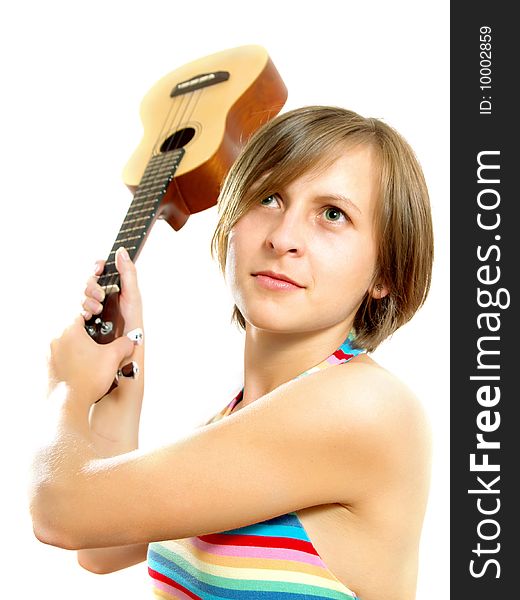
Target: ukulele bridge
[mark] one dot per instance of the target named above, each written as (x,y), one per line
(198,82)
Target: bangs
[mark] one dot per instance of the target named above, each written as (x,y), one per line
(275,170)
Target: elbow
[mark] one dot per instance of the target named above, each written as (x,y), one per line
(49,534)
(86,561)
(49,526)
(52,536)
(57,510)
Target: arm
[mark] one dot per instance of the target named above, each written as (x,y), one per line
(108,560)
(282,453)
(114,421)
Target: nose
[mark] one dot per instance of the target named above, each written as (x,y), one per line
(286,235)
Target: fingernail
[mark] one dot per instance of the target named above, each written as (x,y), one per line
(136,335)
(124,253)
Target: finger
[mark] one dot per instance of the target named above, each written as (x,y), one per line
(128,275)
(92,306)
(78,322)
(94,290)
(99,265)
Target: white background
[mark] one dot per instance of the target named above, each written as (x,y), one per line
(73,76)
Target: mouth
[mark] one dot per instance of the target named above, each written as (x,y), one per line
(274,280)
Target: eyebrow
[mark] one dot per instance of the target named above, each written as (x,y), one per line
(340,199)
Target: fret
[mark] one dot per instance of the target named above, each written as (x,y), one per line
(142,204)
(146,198)
(128,248)
(136,212)
(132,228)
(153,177)
(110,277)
(146,189)
(168,159)
(154,172)
(128,221)
(134,237)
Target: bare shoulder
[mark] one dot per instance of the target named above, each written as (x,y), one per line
(378,421)
(383,394)
(362,390)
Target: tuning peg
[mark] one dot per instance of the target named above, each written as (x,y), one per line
(130,370)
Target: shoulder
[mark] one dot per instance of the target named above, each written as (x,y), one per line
(363,391)
(375,419)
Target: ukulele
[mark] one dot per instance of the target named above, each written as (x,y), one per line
(196,119)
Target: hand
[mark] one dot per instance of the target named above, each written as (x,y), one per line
(115,419)
(130,303)
(86,367)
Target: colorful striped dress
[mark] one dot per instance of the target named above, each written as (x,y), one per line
(270,560)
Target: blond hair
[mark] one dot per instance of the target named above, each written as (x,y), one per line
(310,137)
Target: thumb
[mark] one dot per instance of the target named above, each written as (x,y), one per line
(130,303)
(128,275)
(122,348)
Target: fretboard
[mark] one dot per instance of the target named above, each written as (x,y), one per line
(142,212)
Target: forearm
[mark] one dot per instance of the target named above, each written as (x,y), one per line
(108,560)
(114,420)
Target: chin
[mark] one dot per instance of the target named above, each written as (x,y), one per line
(282,322)
(275,321)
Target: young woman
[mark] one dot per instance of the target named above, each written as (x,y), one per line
(313,480)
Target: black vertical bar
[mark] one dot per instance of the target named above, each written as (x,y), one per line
(485,424)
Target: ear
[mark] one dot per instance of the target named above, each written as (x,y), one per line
(378,291)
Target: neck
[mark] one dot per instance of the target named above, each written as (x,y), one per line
(143,212)
(271,358)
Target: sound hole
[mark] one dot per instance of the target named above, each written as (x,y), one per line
(179,139)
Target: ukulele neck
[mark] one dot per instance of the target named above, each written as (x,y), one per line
(142,213)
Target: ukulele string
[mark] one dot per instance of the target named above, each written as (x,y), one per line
(113,276)
(175,107)
(168,127)
(184,119)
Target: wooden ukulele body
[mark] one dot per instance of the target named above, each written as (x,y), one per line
(217,120)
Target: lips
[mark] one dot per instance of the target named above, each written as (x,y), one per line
(279,276)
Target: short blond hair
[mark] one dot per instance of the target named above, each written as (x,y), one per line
(303,139)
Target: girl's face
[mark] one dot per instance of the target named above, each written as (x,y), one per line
(318,232)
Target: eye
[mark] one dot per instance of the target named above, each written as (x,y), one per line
(269,200)
(334,214)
